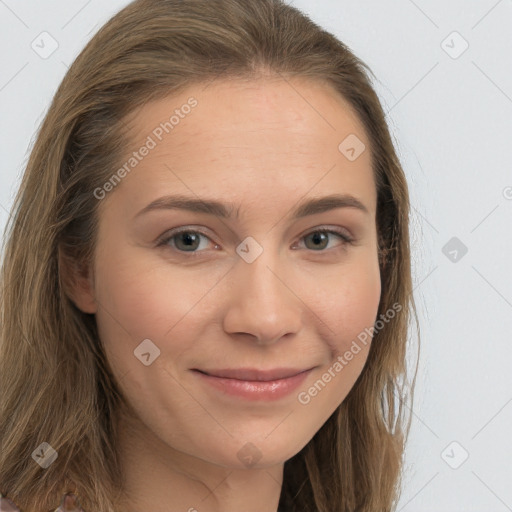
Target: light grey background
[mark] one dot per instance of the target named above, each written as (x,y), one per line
(450,112)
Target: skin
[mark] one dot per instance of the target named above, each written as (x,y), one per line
(264,145)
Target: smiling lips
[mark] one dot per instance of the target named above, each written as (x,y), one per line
(253,374)
(253,384)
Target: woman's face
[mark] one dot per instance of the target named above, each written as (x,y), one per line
(251,285)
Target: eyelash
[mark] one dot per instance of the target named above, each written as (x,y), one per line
(162,242)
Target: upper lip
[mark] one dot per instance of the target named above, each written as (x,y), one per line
(254,374)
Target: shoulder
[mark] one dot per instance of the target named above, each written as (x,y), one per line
(69,502)
(7,505)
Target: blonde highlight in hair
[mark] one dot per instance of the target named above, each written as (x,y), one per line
(56,384)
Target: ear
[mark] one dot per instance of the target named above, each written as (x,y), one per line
(78,283)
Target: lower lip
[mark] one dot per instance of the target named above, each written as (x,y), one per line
(256,390)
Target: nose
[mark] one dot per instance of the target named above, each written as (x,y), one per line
(263,303)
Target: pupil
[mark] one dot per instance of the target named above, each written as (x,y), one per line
(189,239)
(318,237)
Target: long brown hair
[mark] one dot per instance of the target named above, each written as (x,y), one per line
(56,385)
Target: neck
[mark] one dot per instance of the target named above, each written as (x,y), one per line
(160,478)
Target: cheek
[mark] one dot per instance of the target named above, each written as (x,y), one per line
(350,302)
(140,299)
(348,309)
(138,304)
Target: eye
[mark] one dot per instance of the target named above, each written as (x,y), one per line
(184,240)
(319,237)
(189,240)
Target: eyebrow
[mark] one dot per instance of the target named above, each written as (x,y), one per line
(227,210)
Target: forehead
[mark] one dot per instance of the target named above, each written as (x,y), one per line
(248,138)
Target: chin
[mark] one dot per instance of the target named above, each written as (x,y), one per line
(256,452)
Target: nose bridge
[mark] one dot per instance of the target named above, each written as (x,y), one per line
(261,279)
